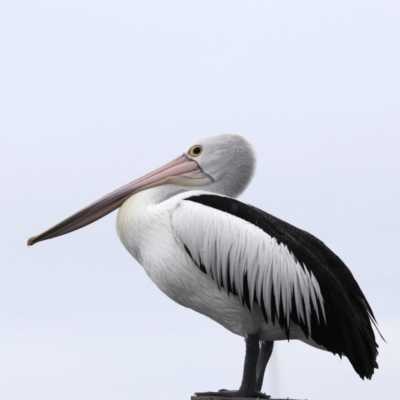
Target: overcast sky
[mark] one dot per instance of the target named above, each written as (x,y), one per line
(96,93)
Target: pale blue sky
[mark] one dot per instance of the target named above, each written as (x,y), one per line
(96,93)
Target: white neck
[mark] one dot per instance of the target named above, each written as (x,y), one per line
(133,213)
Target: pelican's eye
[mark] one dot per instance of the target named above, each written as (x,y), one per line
(196,150)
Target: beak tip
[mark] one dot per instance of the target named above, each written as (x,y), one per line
(31,241)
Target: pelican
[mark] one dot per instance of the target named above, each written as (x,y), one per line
(256,275)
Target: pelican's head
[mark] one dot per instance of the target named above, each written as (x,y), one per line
(228,159)
(223,164)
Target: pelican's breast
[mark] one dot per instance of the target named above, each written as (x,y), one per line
(146,232)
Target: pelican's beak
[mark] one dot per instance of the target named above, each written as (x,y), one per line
(181,171)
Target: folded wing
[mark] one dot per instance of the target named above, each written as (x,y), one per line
(291,275)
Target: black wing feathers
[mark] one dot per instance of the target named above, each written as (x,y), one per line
(347,329)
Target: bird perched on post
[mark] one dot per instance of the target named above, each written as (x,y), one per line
(253,273)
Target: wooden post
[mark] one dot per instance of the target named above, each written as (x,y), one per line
(228,398)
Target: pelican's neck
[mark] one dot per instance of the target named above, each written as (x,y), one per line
(138,202)
(133,217)
(158,194)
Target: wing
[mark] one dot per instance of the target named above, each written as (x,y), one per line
(289,273)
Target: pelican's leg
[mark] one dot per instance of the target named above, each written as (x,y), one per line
(248,386)
(263,358)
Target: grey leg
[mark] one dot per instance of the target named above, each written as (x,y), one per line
(248,386)
(263,358)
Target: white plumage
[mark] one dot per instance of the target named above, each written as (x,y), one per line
(220,241)
(144,220)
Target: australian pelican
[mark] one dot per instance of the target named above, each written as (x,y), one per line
(253,273)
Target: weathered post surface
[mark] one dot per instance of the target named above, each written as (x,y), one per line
(229,398)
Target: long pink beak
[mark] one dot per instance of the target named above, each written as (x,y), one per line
(181,171)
